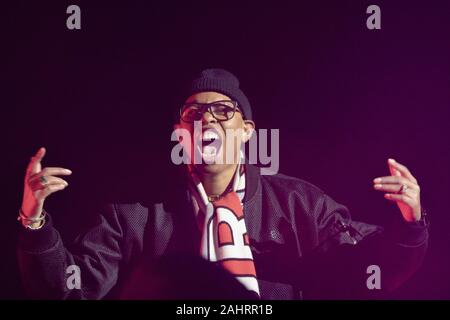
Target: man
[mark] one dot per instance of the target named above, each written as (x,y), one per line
(278,236)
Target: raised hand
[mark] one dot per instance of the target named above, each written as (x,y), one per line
(40,183)
(401,187)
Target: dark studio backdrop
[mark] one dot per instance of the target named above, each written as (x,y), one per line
(345,99)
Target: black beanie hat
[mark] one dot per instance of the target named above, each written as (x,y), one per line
(224,82)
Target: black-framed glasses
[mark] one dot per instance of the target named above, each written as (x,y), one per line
(222,110)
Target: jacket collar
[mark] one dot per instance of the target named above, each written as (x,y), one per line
(252,179)
(184,219)
(180,190)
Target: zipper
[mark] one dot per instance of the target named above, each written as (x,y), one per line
(347,229)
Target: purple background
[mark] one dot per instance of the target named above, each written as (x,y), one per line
(344,98)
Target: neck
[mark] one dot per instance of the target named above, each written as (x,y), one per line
(215,184)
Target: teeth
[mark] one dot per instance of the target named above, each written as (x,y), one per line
(210,135)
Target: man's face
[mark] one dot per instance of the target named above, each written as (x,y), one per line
(216,142)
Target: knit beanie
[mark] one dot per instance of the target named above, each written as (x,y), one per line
(224,82)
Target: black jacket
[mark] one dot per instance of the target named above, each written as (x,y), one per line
(304,244)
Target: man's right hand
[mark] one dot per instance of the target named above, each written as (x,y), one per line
(39,184)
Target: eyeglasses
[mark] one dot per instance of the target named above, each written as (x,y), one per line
(222,110)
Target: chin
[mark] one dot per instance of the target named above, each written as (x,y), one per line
(212,168)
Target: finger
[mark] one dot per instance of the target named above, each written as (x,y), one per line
(36,183)
(402,169)
(395,188)
(55,171)
(48,190)
(393,180)
(399,197)
(393,170)
(34,165)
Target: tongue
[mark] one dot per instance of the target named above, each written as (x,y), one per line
(209,150)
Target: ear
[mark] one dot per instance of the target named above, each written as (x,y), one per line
(249,127)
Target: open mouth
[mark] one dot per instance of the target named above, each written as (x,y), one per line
(209,145)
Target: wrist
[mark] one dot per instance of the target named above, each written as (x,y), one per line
(422,219)
(33,223)
(33,212)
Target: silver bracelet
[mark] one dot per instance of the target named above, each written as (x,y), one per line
(27,221)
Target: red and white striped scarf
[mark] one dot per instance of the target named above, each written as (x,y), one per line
(224,233)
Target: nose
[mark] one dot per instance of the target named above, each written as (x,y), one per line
(207,117)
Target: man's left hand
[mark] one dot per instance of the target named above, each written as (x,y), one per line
(401,187)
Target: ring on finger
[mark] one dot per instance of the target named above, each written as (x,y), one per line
(43,180)
(403,189)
